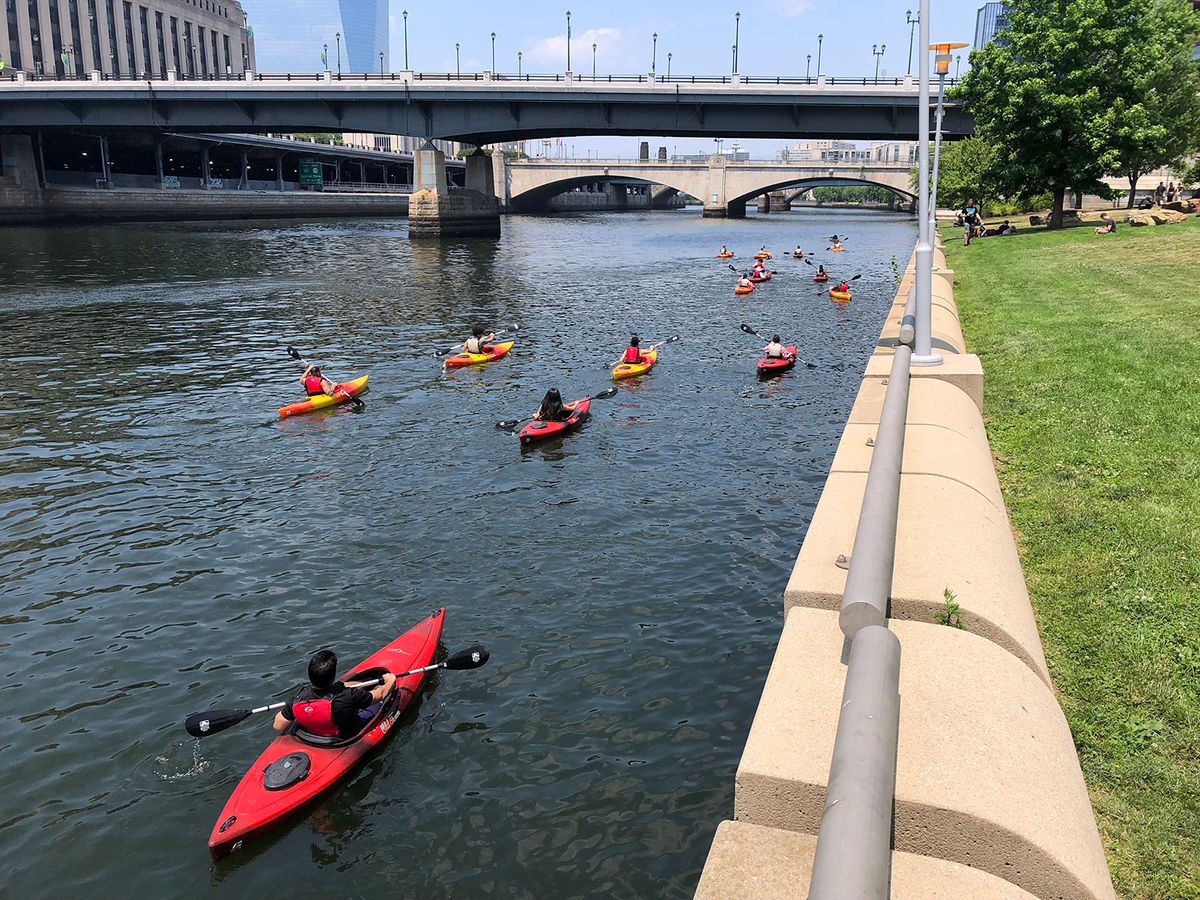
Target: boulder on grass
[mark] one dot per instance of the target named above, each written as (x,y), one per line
(1181,206)
(1168,217)
(1037,220)
(1139,219)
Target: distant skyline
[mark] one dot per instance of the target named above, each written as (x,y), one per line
(774,38)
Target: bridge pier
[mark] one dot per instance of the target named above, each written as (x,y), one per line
(434,210)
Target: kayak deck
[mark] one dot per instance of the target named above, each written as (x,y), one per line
(492,352)
(541,430)
(774,365)
(253,808)
(345,390)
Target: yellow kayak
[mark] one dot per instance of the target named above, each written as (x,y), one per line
(840,296)
(494,351)
(630,370)
(344,392)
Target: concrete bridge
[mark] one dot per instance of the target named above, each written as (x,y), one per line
(479,109)
(722,185)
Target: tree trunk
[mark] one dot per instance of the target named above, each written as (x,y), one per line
(1056,213)
(1133,180)
(1078,199)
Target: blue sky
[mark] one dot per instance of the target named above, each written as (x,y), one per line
(775,37)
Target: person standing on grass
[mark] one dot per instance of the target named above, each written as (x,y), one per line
(970,220)
(1159,193)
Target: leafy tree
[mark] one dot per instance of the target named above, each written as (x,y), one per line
(1159,107)
(846,193)
(963,172)
(321,137)
(1044,95)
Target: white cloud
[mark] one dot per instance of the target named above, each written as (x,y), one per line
(612,52)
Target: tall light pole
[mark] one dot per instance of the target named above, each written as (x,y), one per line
(654,54)
(457,61)
(324,52)
(568,40)
(493,53)
(820,41)
(593,61)
(737,25)
(380,63)
(941,67)
(957,62)
(668,66)
(338,35)
(519,65)
(912,27)
(807,67)
(923,354)
(877,52)
(405,13)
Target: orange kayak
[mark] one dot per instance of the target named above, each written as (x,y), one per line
(341,394)
(740,290)
(490,352)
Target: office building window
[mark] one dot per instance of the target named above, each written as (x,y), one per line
(76,36)
(14,42)
(94,27)
(143,21)
(131,58)
(228,60)
(216,66)
(57,48)
(35,37)
(189,49)
(175,44)
(162,44)
(203,51)
(113,60)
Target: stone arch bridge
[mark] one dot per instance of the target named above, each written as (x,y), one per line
(723,186)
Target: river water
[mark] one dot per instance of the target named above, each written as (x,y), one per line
(168,545)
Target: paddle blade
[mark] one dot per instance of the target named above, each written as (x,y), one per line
(856,277)
(293,352)
(202,724)
(508,424)
(746,328)
(468,658)
(604,395)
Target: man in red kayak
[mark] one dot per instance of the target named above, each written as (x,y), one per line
(477,342)
(759,269)
(329,708)
(776,350)
(316,384)
(633,354)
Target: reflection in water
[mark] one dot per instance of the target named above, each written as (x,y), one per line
(165,552)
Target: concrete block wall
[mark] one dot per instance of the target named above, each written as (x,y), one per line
(990,799)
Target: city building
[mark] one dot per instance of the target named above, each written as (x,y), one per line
(365,30)
(823,151)
(395,143)
(123,39)
(990,21)
(894,152)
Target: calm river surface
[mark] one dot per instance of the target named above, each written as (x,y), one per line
(168,545)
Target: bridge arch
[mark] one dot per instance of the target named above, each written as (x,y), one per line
(802,185)
(537,197)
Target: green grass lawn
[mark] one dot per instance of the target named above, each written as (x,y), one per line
(1091,356)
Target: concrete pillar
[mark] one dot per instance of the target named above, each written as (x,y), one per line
(243,182)
(158,164)
(429,169)
(362,173)
(104,169)
(715,204)
(279,171)
(501,185)
(481,173)
(19,161)
(764,203)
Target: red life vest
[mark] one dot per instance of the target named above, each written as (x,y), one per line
(312,385)
(316,717)
(632,355)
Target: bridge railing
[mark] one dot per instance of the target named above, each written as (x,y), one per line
(11,76)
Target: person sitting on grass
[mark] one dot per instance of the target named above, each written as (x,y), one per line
(1108,225)
(776,350)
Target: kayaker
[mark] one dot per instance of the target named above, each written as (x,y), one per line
(776,350)
(328,708)
(724,250)
(316,384)
(843,288)
(821,273)
(552,409)
(633,354)
(798,253)
(477,341)
(744,281)
(759,268)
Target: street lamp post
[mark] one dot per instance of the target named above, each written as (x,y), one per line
(493,52)
(807,67)
(923,354)
(405,14)
(912,27)
(820,41)
(518,65)
(957,62)
(338,35)
(877,52)
(457,61)
(568,40)
(668,67)
(654,54)
(942,68)
(324,53)
(380,63)
(593,62)
(737,25)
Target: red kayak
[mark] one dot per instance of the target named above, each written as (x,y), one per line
(541,430)
(774,365)
(298,767)
(820,278)
(760,279)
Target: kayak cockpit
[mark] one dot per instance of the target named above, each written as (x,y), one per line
(327,741)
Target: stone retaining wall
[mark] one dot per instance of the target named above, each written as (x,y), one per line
(990,799)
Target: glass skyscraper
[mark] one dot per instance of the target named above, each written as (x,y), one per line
(990,21)
(365,29)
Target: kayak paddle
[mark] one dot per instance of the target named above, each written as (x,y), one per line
(457,347)
(203,724)
(295,354)
(510,424)
(748,330)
